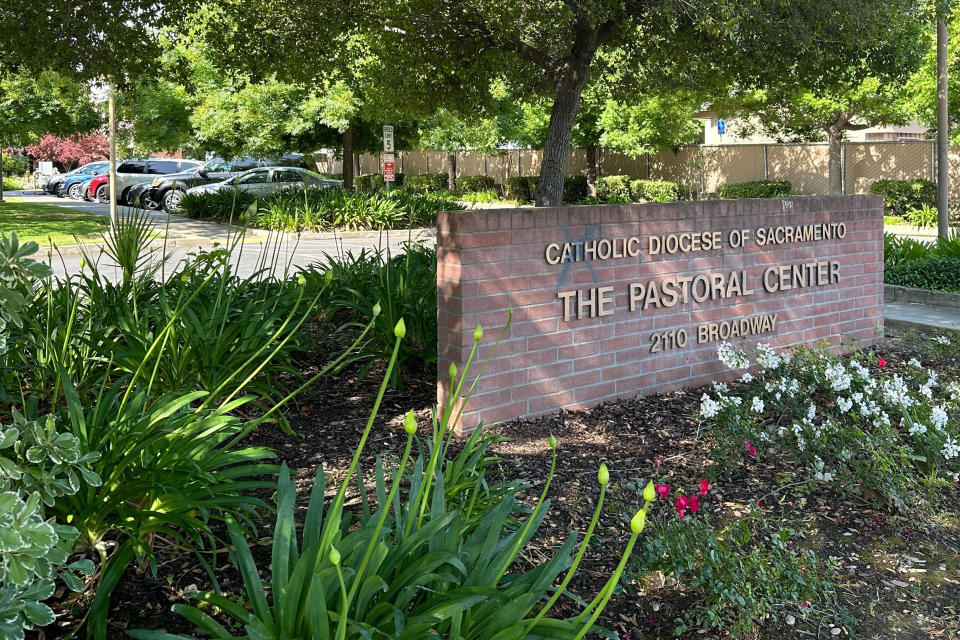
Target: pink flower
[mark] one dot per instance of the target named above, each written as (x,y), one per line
(694,504)
(805,604)
(681,504)
(663,490)
(881,362)
(750,449)
(704,487)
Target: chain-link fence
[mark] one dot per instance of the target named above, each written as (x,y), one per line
(702,169)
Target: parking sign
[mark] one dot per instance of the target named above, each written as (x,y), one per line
(388,138)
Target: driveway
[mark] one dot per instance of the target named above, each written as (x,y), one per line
(260,250)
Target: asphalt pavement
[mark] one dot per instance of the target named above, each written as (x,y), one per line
(257,250)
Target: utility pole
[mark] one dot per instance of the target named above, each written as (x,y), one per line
(111,108)
(943,132)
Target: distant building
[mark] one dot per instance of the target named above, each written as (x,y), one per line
(738,131)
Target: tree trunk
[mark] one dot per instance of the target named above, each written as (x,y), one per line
(592,170)
(1,173)
(348,158)
(566,102)
(835,149)
(452,172)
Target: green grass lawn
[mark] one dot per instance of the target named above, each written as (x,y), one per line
(38,222)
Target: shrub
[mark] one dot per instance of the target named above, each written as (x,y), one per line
(941,274)
(426,183)
(739,573)
(614,189)
(467,184)
(416,566)
(925,215)
(574,188)
(899,250)
(401,287)
(473,197)
(891,437)
(38,465)
(368,182)
(522,188)
(901,196)
(656,191)
(757,189)
(225,204)
(14,165)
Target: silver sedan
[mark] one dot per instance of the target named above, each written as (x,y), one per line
(266,180)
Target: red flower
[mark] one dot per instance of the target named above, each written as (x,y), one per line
(881,362)
(694,504)
(704,487)
(750,449)
(681,504)
(663,490)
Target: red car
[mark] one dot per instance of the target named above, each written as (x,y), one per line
(98,189)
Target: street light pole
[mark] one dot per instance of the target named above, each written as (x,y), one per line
(111,108)
(943,131)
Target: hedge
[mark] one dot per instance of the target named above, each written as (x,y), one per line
(373,182)
(613,189)
(656,191)
(575,188)
(522,188)
(937,273)
(757,189)
(471,184)
(426,183)
(901,196)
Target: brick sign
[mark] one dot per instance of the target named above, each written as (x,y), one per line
(612,301)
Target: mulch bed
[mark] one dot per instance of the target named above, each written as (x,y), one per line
(900,579)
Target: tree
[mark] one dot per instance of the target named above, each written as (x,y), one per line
(449,50)
(866,94)
(70,151)
(32,105)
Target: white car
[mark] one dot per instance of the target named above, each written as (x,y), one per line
(265,180)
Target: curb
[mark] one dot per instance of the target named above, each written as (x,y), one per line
(94,248)
(897,293)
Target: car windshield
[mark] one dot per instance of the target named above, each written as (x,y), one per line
(217,165)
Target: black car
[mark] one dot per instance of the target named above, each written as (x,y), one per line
(166,191)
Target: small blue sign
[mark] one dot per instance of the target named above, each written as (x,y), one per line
(721,126)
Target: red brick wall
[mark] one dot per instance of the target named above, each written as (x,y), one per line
(492,260)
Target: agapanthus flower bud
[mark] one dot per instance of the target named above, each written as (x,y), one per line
(639,521)
(452,370)
(334,556)
(649,492)
(552,441)
(410,423)
(301,280)
(603,475)
(400,330)
(478,332)
(376,310)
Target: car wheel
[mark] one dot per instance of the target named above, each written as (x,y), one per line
(171,200)
(75,191)
(103,194)
(149,203)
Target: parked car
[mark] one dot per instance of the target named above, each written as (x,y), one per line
(131,172)
(266,180)
(91,168)
(71,185)
(167,191)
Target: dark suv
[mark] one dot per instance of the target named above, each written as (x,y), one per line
(166,191)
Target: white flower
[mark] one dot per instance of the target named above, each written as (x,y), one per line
(732,358)
(844,404)
(767,357)
(942,340)
(950,449)
(918,428)
(746,377)
(895,392)
(913,362)
(860,370)
(932,380)
(938,415)
(811,411)
(926,391)
(819,472)
(720,387)
(708,407)
(837,376)
(757,405)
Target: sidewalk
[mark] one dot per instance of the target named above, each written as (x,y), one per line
(920,316)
